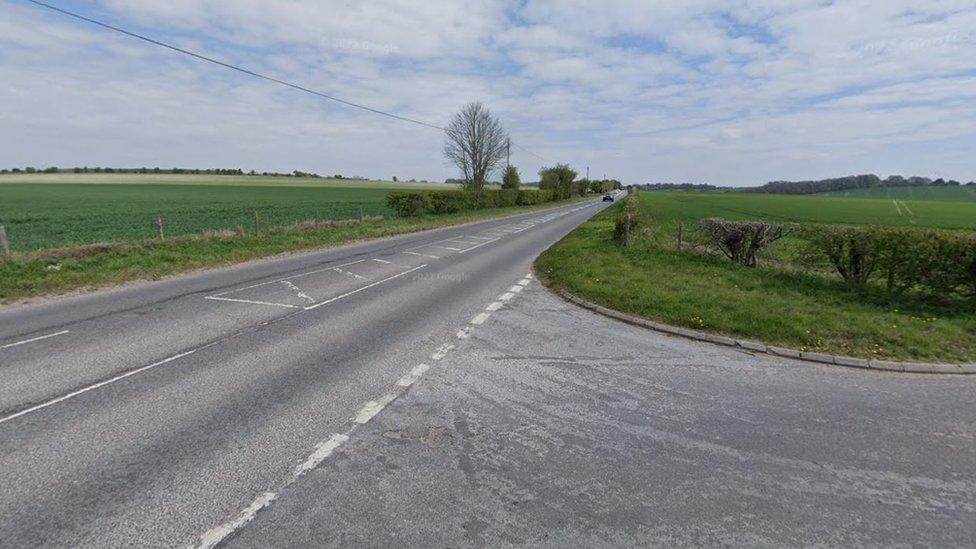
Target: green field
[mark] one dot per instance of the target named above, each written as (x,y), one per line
(690,207)
(948,194)
(49,211)
(775,303)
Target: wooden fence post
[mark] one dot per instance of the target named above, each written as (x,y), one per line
(257,223)
(4,245)
(681,228)
(159,225)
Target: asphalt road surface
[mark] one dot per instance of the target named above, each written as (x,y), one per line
(152,414)
(425,391)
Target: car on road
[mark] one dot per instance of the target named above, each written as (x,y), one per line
(608,197)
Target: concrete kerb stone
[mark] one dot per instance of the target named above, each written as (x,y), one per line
(762,348)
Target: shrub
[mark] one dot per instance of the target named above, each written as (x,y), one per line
(933,261)
(511,178)
(742,241)
(414,203)
(628,221)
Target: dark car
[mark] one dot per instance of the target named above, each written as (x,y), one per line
(608,198)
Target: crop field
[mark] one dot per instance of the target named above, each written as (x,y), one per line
(690,207)
(949,194)
(52,214)
(219,180)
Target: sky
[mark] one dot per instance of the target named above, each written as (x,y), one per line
(731,92)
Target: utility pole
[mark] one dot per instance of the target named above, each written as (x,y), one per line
(508,152)
(587,173)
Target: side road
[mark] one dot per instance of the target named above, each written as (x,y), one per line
(553,426)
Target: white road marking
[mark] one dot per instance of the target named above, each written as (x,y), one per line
(529,276)
(524,282)
(441,352)
(494,306)
(480,319)
(252,302)
(287,278)
(383,262)
(298,291)
(506,296)
(413,376)
(350,273)
(478,246)
(423,255)
(368,286)
(445,248)
(464,333)
(373,407)
(99,384)
(322,451)
(515,289)
(213,537)
(33,339)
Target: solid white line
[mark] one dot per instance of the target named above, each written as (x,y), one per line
(368,286)
(383,262)
(423,255)
(495,306)
(480,319)
(32,340)
(506,296)
(213,537)
(322,451)
(445,248)
(96,386)
(478,246)
(214,298)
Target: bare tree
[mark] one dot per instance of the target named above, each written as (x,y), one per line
(741,241)
(476,144)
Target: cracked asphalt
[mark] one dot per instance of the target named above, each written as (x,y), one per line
(551,426)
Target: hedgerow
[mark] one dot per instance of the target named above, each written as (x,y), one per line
(415,203)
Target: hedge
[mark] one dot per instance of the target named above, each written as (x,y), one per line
(414,203)
(934,261)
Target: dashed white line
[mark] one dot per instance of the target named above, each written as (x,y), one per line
(373,407)
(445,248)
(298,291)
(382,261)
(413,376)
(441,352)
(213,537)
(33,339)
(524,282)
(423,255)
(480,319)
(515,289)
(316,271)
(368,286)
(322,451)
(494,306)
(350,273)
(506,297)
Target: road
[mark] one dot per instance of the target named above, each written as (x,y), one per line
(440,397)
(151,414)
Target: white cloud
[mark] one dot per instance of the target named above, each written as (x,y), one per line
(726,92)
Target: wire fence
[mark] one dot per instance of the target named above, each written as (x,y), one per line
(26,233)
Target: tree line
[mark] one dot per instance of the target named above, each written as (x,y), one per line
(172,171)
(869,181)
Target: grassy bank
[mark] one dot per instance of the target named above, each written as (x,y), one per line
(51,272)
(771,303)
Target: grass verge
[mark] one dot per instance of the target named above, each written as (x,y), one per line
(53,272)
(769,304)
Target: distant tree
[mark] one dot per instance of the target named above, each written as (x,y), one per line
(511,178)
(559,180)
(395,179)
(476,144)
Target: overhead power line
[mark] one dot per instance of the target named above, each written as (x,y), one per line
(248,71)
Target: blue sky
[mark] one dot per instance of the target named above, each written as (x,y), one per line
(726,92)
